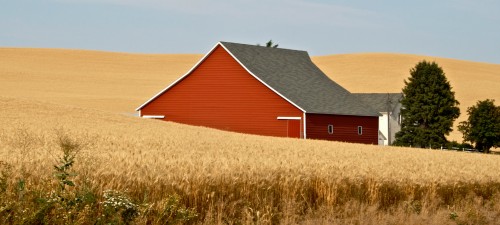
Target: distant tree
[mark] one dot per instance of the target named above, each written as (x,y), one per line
(428,109)
(270,44)
(482,128)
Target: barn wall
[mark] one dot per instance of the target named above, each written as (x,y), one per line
(345,128)
(221,94)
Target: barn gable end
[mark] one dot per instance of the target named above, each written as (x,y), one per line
(220,93)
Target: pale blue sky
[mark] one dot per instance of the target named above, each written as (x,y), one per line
(462,29)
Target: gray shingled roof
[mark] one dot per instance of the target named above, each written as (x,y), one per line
(292,74)
(378,101)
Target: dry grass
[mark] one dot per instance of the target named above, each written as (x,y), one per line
(234,177)
(229,177)
(116,82)
(120,82)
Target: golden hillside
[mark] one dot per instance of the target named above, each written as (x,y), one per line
(119,82)
(221,174)
(227,178)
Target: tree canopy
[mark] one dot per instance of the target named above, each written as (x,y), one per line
(428,109)
(482,128)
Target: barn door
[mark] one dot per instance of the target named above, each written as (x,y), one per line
(294,128)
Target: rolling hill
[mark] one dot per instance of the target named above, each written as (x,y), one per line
(54,98)
(116,82)
(119,82)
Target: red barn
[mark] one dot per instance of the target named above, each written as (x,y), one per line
(265,91)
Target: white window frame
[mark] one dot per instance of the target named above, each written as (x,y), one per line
(330,128)
(360,130)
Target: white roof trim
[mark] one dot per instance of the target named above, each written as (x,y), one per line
(250,72)
(203,59)
(289,118)
(153,116)
(177,81)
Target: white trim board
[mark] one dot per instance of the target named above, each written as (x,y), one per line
(153,116)
(305,127)
(289,118)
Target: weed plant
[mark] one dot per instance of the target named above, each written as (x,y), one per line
(69,203)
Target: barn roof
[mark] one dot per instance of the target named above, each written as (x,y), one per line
(378,101)
(292,74)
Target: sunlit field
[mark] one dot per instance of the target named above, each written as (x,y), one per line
(129,169)
(117,82)
(120,82)
(229,178)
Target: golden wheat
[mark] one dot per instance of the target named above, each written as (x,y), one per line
(120,82)
(229,177)
(117,82)
(222,173)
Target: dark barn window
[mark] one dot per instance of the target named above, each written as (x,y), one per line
(330,129)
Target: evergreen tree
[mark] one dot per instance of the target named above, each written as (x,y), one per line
(270,44)
(482,128)
(428,109)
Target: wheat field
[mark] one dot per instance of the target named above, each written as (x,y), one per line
(225,177)
(116,82)
(120,82)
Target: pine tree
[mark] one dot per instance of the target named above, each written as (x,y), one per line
(428,109)
(271,44)
(482,128)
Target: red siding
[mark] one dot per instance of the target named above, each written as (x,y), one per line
(221,94)
(345,128)
(294,128)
